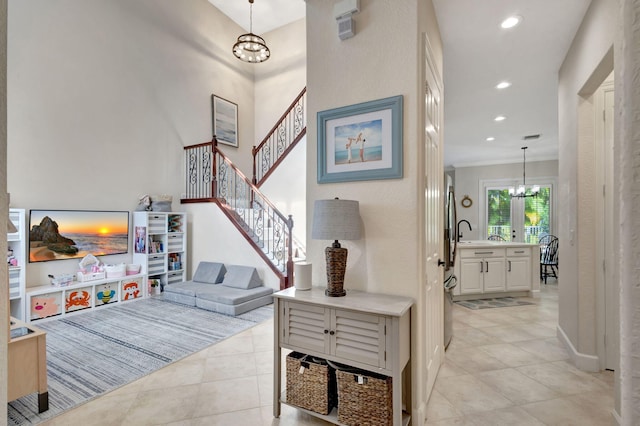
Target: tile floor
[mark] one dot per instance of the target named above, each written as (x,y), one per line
(504,367)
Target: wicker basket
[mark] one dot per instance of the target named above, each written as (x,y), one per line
(364,398)
(311,383)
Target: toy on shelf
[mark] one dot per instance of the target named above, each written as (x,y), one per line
(11,259)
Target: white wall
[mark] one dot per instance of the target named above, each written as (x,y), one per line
(279,80)
(467,182)
(382,60)
(103,95)
(286,188)
(627,167)
(208,228)
(277,83)
(585,67)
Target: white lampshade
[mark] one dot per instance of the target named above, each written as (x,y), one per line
(336,220)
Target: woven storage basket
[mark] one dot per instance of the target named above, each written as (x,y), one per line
(364,398)
(311,383)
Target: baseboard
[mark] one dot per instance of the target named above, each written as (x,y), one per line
(616,417)
(419,415)
(584,362)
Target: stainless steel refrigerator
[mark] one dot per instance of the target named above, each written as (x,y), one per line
(451,245)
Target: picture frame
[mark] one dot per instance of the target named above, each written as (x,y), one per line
(361,142)
(225,120)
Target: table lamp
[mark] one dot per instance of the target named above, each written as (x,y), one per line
(336,220)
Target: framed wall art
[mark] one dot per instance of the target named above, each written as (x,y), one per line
(225,120)
(361,142)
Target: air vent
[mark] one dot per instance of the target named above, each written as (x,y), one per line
(531,137)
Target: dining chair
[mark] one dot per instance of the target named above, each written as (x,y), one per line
(548,257)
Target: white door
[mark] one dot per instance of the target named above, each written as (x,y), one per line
(608,303)
(517,220)
(433,238)
(612,302)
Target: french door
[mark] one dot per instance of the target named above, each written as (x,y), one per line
(518,219)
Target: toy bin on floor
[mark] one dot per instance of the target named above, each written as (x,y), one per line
(311,383)
(364,398)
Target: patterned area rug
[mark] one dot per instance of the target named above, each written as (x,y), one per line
(93,353)
(500,302)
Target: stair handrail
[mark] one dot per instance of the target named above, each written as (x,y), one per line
(280,140)
(246,211)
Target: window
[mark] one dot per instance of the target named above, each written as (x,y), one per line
(518,219)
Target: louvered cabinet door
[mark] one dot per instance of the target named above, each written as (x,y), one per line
(359,337)
(305,327)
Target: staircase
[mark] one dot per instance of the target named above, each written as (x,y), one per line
(280,140)
(212,177)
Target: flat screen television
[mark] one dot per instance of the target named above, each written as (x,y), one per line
(70,234)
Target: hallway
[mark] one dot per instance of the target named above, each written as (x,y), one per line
(505,366)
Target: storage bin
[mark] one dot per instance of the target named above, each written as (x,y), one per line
(133,269)
(157,224)
(174,243)
(14,283)
(157,264)
(311,383)
(364,398)
(115,271)
(174,277)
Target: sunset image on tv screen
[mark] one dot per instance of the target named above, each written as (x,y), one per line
(68,234)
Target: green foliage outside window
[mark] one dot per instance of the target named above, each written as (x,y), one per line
(536,214)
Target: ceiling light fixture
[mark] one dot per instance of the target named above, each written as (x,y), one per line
(503,85)
(500,118)
(511,21)
(491,139)
(522,192)
(250,47)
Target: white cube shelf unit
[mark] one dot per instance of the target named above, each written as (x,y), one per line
(49,301)
(160,245)
(16,243)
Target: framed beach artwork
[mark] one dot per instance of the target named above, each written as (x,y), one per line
(225,120)
(361,142)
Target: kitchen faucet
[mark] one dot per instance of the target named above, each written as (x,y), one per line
(458,227)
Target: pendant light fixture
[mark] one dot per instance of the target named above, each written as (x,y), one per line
(522,192)
(250,47)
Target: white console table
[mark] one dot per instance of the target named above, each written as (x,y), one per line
(364,330)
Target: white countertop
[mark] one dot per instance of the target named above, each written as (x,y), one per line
(474,244)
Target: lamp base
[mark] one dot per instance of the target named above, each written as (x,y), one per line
(327,293)
(336,259)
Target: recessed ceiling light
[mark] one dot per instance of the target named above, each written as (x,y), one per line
(503,85)
(491,138)
(511,21)
(500,118)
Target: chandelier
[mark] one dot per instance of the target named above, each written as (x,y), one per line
(522,192)
(250,47)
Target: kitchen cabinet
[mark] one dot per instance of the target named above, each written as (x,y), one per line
(518,269)
(482,270)
(364,330)
(487,269)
